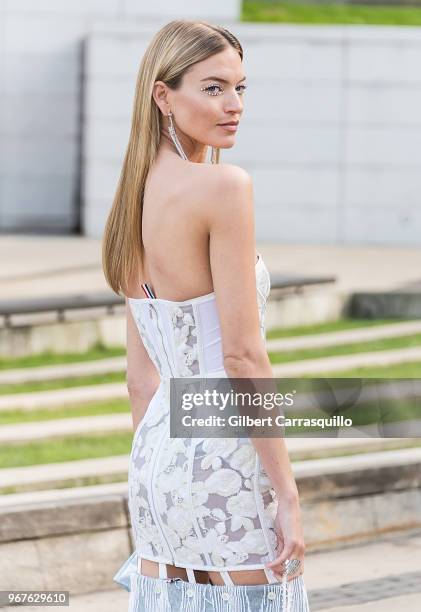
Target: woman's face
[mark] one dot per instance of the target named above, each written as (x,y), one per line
(211,94)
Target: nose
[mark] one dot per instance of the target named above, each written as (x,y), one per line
(234,103)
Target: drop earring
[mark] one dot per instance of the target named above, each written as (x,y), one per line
(174,137)
(214,155)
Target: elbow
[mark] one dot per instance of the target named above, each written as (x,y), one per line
(136,389)
(245,360)
(144,387)
(132,389)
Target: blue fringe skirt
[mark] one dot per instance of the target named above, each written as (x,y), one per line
(148,594)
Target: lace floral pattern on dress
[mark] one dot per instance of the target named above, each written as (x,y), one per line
(196,502)
(185,338)
(174,502)
(147,341)
(141,469)
(224,500)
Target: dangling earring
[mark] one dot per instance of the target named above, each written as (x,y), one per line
(214,155)
(174,137)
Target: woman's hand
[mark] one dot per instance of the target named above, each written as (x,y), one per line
(289,532)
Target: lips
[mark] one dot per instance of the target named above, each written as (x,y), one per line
(229,123)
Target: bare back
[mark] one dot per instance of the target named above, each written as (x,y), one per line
(174,229)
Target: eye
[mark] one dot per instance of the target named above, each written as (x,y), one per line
(216,90)
(210,89)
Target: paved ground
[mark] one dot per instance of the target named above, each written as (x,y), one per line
(41,265)
(382,576)
(367,577)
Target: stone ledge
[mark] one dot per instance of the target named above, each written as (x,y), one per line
(358,475)
(76,539)
(358,478)
(62,516)
(79,563)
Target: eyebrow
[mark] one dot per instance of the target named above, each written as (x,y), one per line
(215,78)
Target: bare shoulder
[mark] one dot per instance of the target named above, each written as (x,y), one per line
(219,176)
(226,190)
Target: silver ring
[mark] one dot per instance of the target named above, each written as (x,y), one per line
(291,566)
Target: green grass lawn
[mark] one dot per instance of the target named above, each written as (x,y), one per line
(330,326)
(286,12)
(69,483)
(347,452)
(48,358)
(399,370)
(382,344)
(364,412)
(72,448)
(8,417)
(63,383)
(101,352)
(275,358)
(69,448)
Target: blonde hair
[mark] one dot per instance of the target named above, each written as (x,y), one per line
(172,51)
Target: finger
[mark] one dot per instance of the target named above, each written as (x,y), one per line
(280,544)
(278,566)
(286,553)
(290,576)
(281,573)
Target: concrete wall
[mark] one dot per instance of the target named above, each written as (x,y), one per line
(82,332)
(40,98)
(341,106)
(331,131)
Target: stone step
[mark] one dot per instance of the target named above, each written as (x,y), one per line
(361,461)
(65,370)
(104,423)
(56,496)
(55,398)
(58,428)
(308,456)
(107,391)
(118,364)
(350,507)
(339,363)
(346,336)
(64,474)
(347,466)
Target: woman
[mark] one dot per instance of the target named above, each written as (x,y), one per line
(216,522)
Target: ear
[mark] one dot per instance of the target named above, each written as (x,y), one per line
(160,95)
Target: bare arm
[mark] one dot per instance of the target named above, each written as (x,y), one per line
(231,239)
(232,255)
(142,375)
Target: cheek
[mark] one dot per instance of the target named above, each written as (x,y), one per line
(202,109)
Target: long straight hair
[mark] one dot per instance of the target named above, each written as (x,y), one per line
(174,48)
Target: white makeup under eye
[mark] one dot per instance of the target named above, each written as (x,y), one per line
(209,89)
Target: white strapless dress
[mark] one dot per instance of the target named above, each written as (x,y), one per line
(197,503)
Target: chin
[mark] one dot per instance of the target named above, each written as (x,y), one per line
(225,145)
